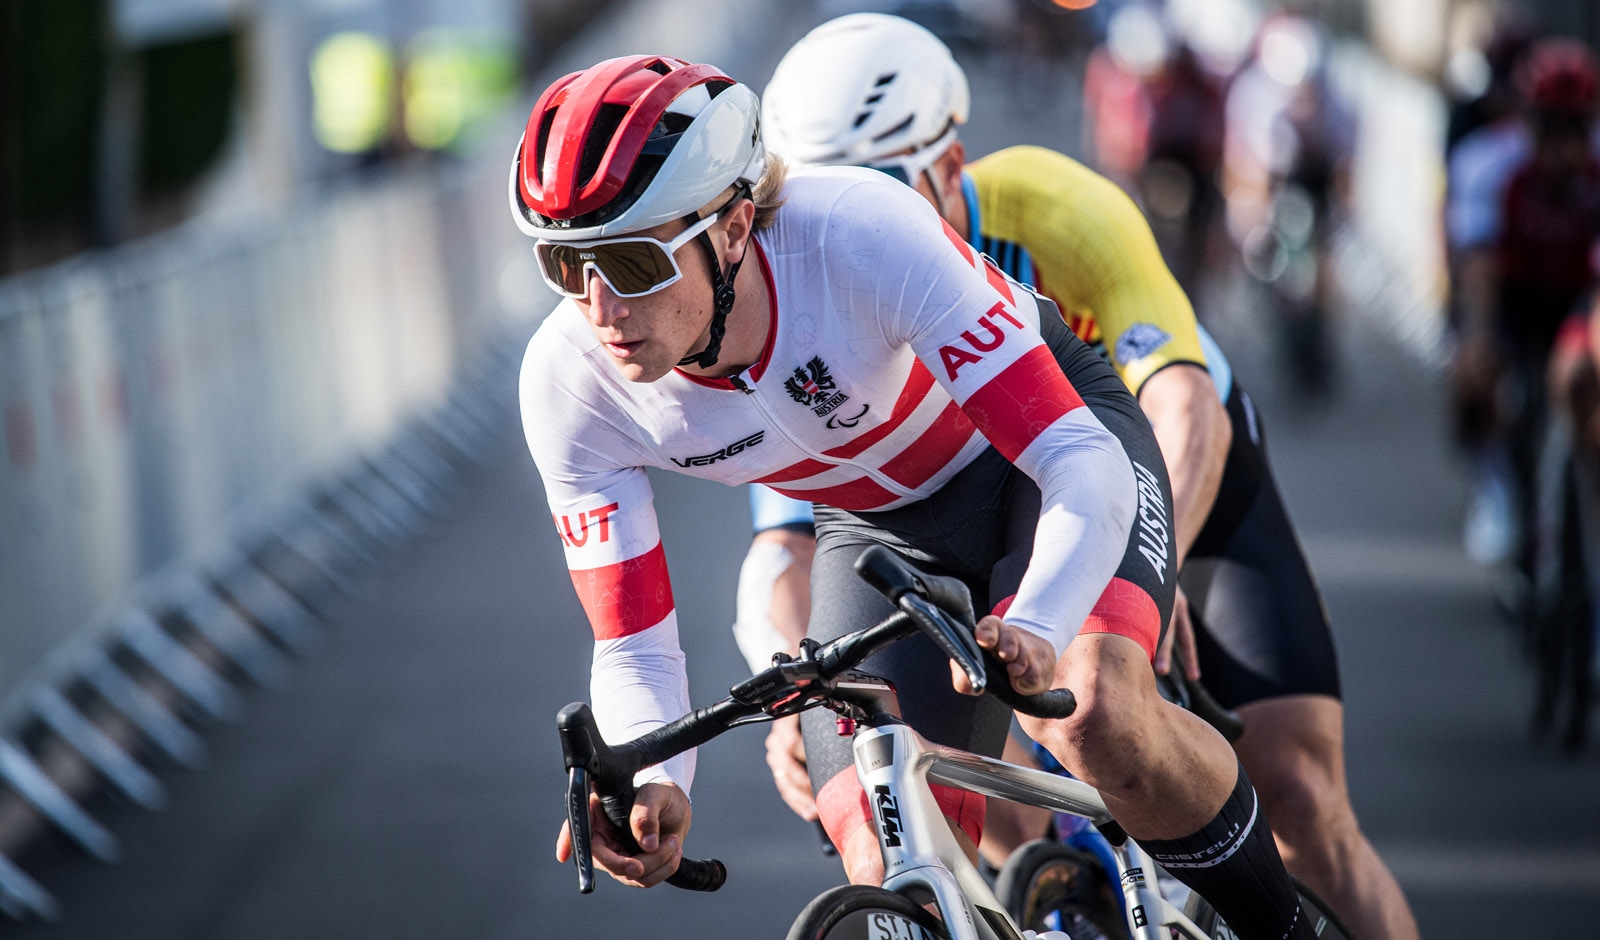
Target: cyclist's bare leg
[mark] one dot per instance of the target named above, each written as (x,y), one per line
(1163,772)
(1293,750)
(863,859)
(1173,783)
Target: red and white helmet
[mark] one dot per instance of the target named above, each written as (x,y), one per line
(631,143)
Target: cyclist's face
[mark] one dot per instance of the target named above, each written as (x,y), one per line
(646,336)
(947,171)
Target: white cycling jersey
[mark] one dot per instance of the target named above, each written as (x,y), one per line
(895,355)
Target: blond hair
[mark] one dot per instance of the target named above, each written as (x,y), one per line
(765,195)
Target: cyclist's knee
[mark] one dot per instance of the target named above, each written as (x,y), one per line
(1117,706)
(1309,812)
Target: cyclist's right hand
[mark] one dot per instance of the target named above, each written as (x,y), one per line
(1030,659)
(659,821)
(786,755)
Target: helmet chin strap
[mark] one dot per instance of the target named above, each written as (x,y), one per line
(722,296)
(721,302)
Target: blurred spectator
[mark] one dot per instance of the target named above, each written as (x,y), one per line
(1179,183)
(1508,40)
(1290,141)
(1116,97)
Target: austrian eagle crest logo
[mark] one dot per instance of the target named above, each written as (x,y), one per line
(813,386)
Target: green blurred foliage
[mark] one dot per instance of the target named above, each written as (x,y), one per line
(53,84)
(188,106)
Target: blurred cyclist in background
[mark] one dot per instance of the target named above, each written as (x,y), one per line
(1488,139)
(1525,263)
(1497,102)
(1263,640)
(1564,614)
(1524,382)
(1154,114)
(1290,142)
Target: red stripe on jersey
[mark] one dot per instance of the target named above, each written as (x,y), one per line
(760,368)
(916,389)
(857,496)
(998,282)
(628,597)
(1126,609)
(1017,405)
(957,240)
(934,449)
(796,471)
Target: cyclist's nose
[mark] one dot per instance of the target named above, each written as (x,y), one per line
(602,306)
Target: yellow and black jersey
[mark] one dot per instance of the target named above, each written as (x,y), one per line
(1049,221)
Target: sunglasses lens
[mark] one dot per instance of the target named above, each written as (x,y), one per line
(561,267)
(631,268)
(634,268)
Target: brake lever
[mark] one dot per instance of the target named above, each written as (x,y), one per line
(958,644)
(578,827)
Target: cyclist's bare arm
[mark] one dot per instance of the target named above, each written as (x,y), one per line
(1194,432)
(789,604)
(774,607)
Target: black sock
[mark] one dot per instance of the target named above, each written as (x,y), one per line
(1233,863)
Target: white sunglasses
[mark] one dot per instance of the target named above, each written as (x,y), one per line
(631,267)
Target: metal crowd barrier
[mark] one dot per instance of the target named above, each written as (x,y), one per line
(123,700)
(206,443)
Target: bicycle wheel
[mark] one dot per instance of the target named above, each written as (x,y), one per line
(1323,922)
(860,912)
(864,912)
(1046,885)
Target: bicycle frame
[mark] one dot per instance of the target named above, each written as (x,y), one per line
(922,857)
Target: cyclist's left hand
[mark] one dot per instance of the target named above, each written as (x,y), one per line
(1030,659)
(659,821)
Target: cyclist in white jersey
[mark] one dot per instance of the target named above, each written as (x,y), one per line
(856,352)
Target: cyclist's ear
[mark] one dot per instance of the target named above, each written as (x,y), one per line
(737,224)
(949,167)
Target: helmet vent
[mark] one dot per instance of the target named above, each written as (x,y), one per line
(884,79)
(861,119)
(875,98)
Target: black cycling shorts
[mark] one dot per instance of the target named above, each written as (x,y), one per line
(1261,628)
(979,528)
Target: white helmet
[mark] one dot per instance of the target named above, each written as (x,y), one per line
(861,87)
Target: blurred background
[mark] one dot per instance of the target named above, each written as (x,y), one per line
(261,309)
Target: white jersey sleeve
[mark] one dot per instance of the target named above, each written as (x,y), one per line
(605,517)
(978,333)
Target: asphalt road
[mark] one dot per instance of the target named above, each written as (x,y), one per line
(407,783)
